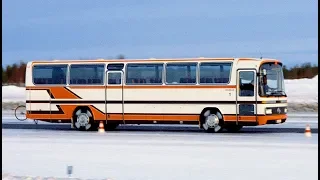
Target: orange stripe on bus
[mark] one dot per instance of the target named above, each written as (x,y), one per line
(153,117)
(68,113)
(69,110)
(155,87)
(129,60)
(241,118)
(48,116)
(100,116)
(247,59)
(269,60)
(60,89)
(62,93)
(97,114)
(57,92)
(261,119)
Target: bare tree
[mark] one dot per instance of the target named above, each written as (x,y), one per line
(120,56)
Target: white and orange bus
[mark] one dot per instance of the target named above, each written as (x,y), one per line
(213,93)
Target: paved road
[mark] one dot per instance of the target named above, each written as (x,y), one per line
(295,124)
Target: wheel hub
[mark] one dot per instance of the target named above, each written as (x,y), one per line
(212,120)
(83,119)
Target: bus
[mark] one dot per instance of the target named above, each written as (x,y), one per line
(211,93)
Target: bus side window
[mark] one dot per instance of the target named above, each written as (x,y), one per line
(114,78)
(88,74)
(144,73)
(246,83)
(215,72)
(181,73)
(58,76)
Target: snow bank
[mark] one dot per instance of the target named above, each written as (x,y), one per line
(315,78)
(13,94)
(302,90)
(302,94)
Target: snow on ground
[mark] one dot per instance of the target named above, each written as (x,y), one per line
(131,155)
(302,95)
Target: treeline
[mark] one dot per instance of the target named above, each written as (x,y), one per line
(305,70)
(15,74)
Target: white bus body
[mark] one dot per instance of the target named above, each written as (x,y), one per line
(214,93)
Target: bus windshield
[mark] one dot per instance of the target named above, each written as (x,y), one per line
(271,83)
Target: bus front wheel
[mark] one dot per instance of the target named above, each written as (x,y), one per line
(83,119)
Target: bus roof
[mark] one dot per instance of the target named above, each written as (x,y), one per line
(149,60)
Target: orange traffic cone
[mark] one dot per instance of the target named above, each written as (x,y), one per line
(101,127)
(307,131)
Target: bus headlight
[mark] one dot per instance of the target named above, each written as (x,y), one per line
(268,111)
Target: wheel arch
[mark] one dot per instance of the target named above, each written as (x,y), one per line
(82,107)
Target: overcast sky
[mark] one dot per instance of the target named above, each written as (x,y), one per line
(73,29)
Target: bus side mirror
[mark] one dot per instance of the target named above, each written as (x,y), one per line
(262,73)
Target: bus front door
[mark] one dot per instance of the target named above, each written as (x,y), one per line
(246,101)
(114,97)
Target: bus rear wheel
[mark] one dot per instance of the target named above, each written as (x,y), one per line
(212,120)
(83,119)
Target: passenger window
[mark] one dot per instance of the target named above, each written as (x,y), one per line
(215,73)
(114,78)
(246,83)
(181,73)
(49,74)
(144,74)
(89,74)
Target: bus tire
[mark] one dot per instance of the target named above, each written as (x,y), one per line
(83,119)
(211,120)
(233,128)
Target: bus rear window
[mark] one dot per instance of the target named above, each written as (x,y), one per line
(49,74)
